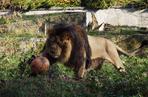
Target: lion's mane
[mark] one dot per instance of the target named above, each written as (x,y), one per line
(79,42)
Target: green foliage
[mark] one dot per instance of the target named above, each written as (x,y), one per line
(10,66)
(4,20)
(101,4)
(106,82)
(59,70)
(62,3)
(4,4)
(11,60)
(92,4)
(9,19)
(20,3)
(113,84)
(41,86)
(140,4)
(34,4)
(97,4)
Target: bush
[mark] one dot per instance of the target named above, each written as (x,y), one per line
(4,4)
(101,4)
(92,4)
(97,4)
(140,4)
(34,4)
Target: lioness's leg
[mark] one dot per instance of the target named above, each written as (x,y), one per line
(115,57)
(96,64)
(107,57)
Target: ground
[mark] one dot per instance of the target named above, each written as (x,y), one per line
(107,82)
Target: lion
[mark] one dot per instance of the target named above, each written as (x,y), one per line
(101,49)
(104,49)
(69,45)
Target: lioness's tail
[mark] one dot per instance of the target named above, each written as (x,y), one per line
(122,51)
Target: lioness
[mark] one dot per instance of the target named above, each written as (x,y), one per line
(103,48)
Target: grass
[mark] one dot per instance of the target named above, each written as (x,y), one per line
(133,83)
(107,82)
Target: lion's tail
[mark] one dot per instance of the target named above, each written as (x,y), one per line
(122,51)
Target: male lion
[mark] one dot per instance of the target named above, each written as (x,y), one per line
(68,44)
(101,49)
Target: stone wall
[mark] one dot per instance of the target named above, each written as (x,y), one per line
(121,17)
(68,17)
(32,23)
(113,16)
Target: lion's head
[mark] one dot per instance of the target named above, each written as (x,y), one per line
(59,48)
(67,44)
(55,46)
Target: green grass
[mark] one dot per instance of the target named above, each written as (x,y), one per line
(113,83)
(62,82)
(106,82)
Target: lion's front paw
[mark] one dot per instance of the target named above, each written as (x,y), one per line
(81,72)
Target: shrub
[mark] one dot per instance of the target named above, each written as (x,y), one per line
(4,4)
(97,4)
(34,4)
(92,4)
(100,4)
